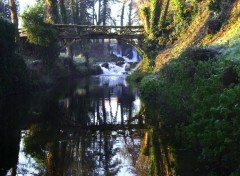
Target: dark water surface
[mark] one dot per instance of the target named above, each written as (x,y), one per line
(79,127)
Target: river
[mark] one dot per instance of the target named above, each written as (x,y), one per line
(86,126)
(79,127)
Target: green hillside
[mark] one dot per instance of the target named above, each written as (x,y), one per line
(189,81)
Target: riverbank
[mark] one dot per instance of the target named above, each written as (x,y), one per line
(193,90)
(44,76)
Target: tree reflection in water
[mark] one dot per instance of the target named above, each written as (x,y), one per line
(81,127)
(13,112)
(64,135)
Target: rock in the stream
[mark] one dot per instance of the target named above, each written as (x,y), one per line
(106,65)
(120,63)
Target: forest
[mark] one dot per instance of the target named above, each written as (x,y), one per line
(189,75)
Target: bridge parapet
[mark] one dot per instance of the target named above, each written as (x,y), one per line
(72,31)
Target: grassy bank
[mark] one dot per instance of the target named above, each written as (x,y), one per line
(194,91)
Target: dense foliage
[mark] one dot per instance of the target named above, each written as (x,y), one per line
(14,76)
(164,20)
(40,34)
(4,10)
(197,99)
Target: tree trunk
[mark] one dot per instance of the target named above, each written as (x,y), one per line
(77,19)
(99,13)
(14,17)
(130,13)
(63,11)
(122,13)
(156,10)
(93,14)
(104,15)
(83,12)
(165,14)
(52,11)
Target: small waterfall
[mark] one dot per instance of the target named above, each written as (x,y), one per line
(113,69)
(125,63)
(117,50)
(134,56)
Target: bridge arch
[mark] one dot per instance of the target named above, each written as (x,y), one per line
(70,33)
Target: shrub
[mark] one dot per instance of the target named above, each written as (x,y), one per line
(14,75)
(215,5)
(199,54)
(41,34)
(13,71)
(7,38)
(190,98)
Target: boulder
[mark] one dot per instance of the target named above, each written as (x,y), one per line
(96,70)
(105,65)
(120,63)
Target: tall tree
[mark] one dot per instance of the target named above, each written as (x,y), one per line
(130,8)
(156,10)
(83,12)
(99,12)
(93,12)
(63,11)
(52,11)
(123,12)
(14,17)
(76,12)
(163,22)
(104,12)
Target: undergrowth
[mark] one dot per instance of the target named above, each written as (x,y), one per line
(197,100)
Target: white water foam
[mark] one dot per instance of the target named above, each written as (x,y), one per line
(114,69)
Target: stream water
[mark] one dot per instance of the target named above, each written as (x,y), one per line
(79,127)
(84,127)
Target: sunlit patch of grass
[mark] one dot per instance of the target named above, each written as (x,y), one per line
(231,53)
(230,36)
(229,33)
(189,37)
(194,33)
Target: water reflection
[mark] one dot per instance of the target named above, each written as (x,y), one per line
(100,100)
(156,157)
(85,127)
(73,129)
(13,113)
